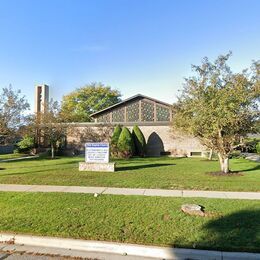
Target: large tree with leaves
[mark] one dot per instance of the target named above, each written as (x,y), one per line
(12,107)
(81,103)
(219,106)
(48,127)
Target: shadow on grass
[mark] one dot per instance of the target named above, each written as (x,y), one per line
(52,171)
(257,167)
(239,231)
(142,166)
(42,165)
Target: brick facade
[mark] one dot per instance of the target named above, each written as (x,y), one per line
(161,139)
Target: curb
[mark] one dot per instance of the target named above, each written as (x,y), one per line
(123,249)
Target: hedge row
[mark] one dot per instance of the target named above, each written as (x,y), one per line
(125,144)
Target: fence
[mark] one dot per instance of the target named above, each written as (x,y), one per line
(4,149)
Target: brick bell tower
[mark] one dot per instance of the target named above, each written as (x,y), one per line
(41,101)
(41,98)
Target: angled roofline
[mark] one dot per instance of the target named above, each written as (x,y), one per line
(129,99)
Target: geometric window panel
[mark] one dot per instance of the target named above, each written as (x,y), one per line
(162,113)
(118,115)
(133,112)
(104,118)
(147,111)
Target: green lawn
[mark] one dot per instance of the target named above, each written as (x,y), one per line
(165,173)
(232,225)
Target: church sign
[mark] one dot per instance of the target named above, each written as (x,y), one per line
(97,158)
(96,152)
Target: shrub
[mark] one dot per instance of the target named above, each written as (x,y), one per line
(114,141)
(139,141)
(236,154)
(125,144)
(116,134)
(26,144)
(249,145)
(257,147)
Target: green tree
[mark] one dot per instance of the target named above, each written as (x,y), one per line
(26,144)
(139,141)
(125,143)
(219,106)
(81,103)
(12,107)
(48,127)
(114,140)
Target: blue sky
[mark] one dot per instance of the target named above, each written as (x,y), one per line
(136,46)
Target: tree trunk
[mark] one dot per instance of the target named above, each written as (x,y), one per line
(224,163)
(210,154)
(52,151)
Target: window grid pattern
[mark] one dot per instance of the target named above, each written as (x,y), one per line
(132,112)
(118,115)
(162,113)
(147,109)
(104,118)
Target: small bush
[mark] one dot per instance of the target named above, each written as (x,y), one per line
(235,154)
(257,147)
(114,141)
(139,141)
(26,144)
(249,145)
(125,144)
(16,151)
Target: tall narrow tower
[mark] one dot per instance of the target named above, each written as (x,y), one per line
(41,98)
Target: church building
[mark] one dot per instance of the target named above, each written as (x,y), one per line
(154,118)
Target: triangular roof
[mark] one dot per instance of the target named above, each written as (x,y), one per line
(138,96)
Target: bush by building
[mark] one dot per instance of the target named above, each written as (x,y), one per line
(125,144)
(139,141)
(114,141)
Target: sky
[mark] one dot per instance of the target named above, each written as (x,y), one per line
(135,46)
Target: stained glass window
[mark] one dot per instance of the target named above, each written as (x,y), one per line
(162,113)
(118,115)
(133,112)
(147,111)
(130,112)
(104,118)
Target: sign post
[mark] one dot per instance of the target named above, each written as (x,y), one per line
(97,158)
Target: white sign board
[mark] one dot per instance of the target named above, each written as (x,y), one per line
(97,152)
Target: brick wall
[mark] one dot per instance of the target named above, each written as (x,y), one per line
(160,139)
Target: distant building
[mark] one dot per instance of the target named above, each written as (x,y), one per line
(41,98)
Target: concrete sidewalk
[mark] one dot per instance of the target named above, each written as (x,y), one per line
(129,191)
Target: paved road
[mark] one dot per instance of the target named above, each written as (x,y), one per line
(129,191)
(19,254)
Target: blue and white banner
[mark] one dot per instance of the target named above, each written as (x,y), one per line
(97,152)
